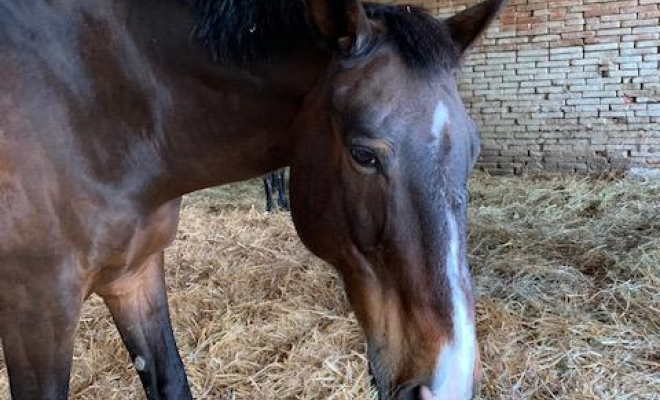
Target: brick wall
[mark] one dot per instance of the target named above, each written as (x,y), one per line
(565,85)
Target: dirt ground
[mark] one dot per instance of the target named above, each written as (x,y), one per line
(567,274)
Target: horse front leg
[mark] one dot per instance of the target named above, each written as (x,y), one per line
(138,305)
(38,318)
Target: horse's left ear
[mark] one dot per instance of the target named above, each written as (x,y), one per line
(341,23)
(466,26)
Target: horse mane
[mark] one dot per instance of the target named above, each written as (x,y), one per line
(245,32)
(422,40)
(248,32)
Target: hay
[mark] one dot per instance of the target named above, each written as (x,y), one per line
(567,272)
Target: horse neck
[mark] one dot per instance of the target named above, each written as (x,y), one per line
(214,123)
(223,124)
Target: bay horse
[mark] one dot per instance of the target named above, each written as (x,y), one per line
(111,110)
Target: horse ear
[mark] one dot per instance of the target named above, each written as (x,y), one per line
(466,26)
(342,23)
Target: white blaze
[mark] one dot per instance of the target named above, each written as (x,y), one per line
(453,375)
(440,119)
(454,370)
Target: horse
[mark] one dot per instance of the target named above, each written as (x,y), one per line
(276,182)
(112,110)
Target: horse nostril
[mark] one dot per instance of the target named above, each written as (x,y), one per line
(409,392)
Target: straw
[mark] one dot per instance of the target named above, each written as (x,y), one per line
(567,274)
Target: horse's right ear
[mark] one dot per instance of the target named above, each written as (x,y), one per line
(343,24)
(466,26)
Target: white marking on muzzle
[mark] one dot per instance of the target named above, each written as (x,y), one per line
(453,375)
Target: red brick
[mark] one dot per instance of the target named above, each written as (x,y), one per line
(570,73)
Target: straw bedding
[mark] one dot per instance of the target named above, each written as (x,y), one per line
(567,273)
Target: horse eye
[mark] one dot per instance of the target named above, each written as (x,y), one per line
(365,157)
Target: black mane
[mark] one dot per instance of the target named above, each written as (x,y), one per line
(243,32)
(246,32)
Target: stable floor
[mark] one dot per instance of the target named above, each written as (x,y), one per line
(567,274)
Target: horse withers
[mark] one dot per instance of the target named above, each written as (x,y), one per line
(109,114)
